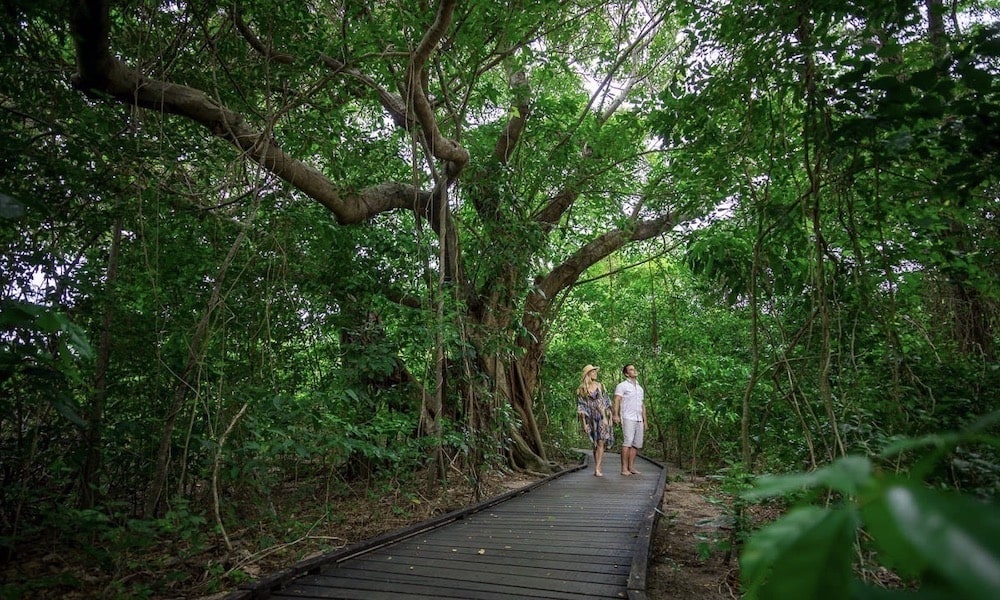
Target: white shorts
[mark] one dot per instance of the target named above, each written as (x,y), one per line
(632,433)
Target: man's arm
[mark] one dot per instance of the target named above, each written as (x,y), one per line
(617,415)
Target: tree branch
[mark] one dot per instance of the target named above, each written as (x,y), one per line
(547,288)
(550,215)
(486,199)
(599,248)
(443,148)
(101,75)
(392,103)
(256,43)
(515,125)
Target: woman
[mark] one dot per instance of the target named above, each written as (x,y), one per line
(594,408)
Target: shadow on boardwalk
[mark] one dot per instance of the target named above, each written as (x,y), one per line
(572,535)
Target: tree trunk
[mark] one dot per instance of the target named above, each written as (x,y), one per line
(516,381)
(93,433)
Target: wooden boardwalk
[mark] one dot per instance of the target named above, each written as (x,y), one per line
(571,535)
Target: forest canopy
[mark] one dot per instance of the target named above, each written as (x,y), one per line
(251,242)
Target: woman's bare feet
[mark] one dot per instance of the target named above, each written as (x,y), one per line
(634,472)
(598,474)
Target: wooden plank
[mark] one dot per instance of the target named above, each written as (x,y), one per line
(436,586)
(554,537)
(600,573)
(417,592)
(520,556)
(445,576)
(546,553)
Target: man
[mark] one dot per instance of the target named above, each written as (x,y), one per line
(630,411)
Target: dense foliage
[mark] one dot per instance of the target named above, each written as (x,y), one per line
(263,245)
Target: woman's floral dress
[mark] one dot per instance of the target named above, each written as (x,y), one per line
(596,410)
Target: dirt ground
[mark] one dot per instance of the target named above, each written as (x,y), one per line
(689,556)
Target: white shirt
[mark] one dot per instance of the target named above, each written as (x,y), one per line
(632,397)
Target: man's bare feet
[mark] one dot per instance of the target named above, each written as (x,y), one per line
(634,472)
(626,473)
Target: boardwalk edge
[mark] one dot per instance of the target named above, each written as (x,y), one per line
(644,540)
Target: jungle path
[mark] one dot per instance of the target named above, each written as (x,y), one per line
(571,535)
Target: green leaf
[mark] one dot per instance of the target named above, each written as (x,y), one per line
(922,530)
(18,314)
(976,79)
(924,80)
(49,322)
(848,475)
(934,440)
(806,554)
(67,408)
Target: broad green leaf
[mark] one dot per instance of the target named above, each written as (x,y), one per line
(922,530)
(18,314)
(933,440)
(847,475)
(977,79)
(67,408)
(924,80)
(806,554)
(77,339)
(49,322)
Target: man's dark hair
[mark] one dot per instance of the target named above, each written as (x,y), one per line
(625,368)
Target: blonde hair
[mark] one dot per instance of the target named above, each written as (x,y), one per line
(584,389)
